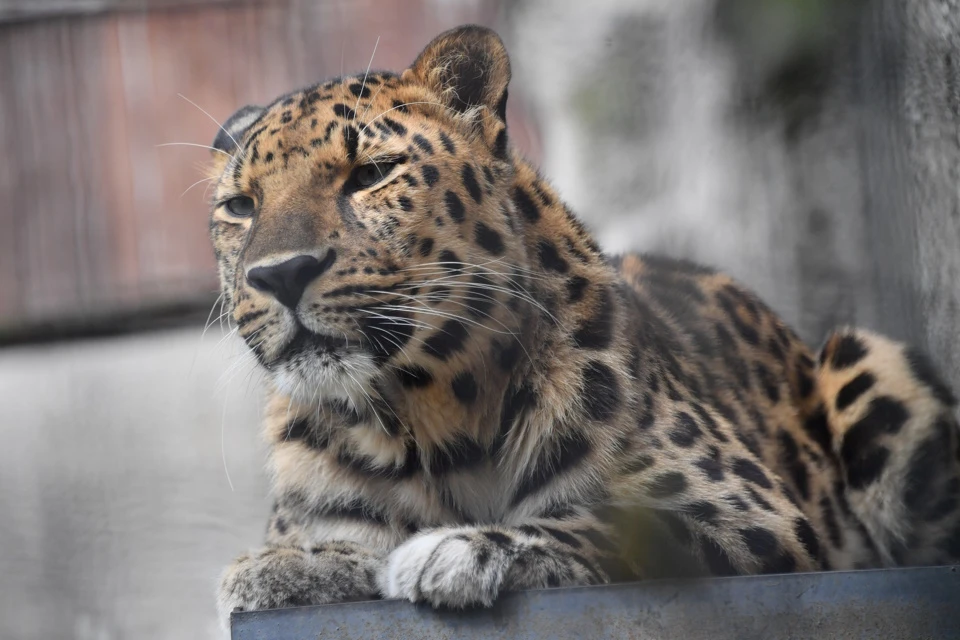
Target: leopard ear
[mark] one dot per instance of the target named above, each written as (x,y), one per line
(231,133)
(468,67)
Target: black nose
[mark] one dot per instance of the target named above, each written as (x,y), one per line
(286,281)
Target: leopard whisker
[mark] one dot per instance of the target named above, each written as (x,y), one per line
(489,287)
(223,303)
(372,99)
(366,73)
(208,323)
(215,121)
(226,377)
(194,144)
(202,180)
(383,401)
(224,339)
(370,402)
(464,266)
(399,321)
(441,314)
(223,443)
(343,44)
(471,296)
(421,341)
(231,372)
(388,332)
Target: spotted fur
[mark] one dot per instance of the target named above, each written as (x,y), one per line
(468,397)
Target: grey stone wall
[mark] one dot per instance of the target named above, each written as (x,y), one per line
(131,473)
(664,136)
(928,93)
(814,155)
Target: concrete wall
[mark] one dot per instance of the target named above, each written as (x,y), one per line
(117,512)
(810,148)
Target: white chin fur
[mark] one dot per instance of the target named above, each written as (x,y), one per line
(317,378)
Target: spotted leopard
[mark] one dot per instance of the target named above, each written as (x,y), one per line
(468,397)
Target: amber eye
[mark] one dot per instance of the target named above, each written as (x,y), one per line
(241,206)
(370,174)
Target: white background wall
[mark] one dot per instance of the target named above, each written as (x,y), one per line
(117,513)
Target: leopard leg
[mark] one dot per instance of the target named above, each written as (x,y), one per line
(471,565)
(896,436)
(741,524)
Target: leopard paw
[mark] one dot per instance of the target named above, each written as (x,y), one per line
(280,577)
(454,568)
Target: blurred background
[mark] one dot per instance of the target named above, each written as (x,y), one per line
(810,147)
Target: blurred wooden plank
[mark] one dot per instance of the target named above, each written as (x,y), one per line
(18,10)
(52,202)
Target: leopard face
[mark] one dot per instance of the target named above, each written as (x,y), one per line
(361,224)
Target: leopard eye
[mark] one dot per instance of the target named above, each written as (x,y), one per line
(370,174)
(241,206)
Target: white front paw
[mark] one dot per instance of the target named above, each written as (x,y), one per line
(449,568)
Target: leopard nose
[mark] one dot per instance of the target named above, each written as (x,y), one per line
(287,280)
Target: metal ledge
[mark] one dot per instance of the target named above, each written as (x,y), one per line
(893,604)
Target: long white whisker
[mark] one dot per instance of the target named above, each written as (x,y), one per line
(380,344)
(228,335)
(193,144)
(343,89)
(223,442)
(231,372)
(219,319)
(365,74)
(296,390)
(370,402)
(372,99)
(206,325)
(223,314)
(388,407)
(440,314)
(388,335)
(420,301)
(465,266)
(526,297)
(227,376)
(196,183)
(463,302)
(215,121)
(399,321)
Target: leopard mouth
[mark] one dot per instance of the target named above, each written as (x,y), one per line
(316,367)
(307,344)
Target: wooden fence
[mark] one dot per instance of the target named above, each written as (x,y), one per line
(96,217)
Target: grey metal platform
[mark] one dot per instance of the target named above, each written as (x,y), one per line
(892,604)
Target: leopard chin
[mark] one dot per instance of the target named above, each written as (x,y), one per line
(316,368)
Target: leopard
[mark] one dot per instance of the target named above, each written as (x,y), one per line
(467,397)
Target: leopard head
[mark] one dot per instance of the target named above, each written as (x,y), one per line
(363,227)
